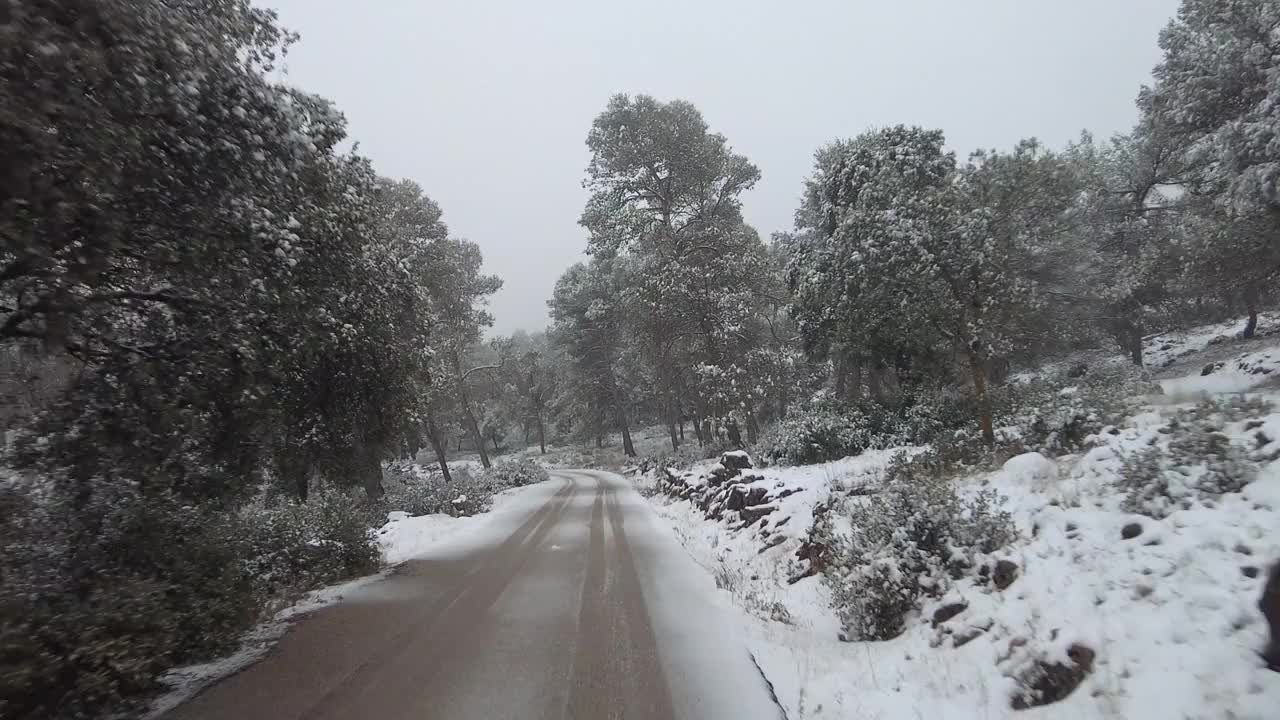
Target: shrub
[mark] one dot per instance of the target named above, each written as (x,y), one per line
(905,542)
(1195,461)
(103,587)
(413,489)
(827,432)
(518,473)
(1056,414)
(688,454)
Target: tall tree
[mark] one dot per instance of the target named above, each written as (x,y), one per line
(1215,94)
(666,191)
(588,324)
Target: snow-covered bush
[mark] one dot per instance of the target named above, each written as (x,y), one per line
(517,473)
(413,489)
(1054,415)
(292,547)
(1192,459)
(681,459)
(904,542)
(139,582)
(828,432)
(420,493)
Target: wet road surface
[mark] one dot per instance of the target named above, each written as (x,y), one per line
(579,610)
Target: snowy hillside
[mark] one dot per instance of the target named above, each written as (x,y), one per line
(1131,590)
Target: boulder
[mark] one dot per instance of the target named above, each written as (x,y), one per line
(1269,604)
(1048,682)
(948,611)
(1031,466)
(736,459)
(736,499)
(1131,530)
(1005,572)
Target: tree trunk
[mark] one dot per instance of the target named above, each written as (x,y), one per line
(1251,300)
(628,448)
(753,429)
(497,450)
(371,471)
(985,422)
(542,436)
(841,368)
(1135,344)
(599,441)
(682,428)
(476,437)
(433,434)
(672,417)
(735,435)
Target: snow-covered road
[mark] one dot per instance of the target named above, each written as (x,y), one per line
(578,608)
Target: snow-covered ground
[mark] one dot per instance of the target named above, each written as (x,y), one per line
(1166,607)
(402,538)
(1164,349)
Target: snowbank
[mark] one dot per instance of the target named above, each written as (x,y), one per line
(1243,372)
(1164,612)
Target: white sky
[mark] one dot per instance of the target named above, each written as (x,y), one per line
(487,104)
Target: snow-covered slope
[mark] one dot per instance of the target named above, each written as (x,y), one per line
(1162,610)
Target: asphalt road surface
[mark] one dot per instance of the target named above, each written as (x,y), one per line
(580,609)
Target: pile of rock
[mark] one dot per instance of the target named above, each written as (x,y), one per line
(725,491)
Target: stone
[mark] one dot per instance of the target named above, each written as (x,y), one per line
(1005,572)
(1049,682)
(1269,604)
(736,500)
(948,611)
(736,460)
(1131,530)
(1249,571)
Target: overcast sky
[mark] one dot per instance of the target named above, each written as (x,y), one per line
(487,104)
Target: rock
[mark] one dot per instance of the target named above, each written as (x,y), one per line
(774,542)
(948,611)
(1014,645)
(1005,572)
(1031,466)
(1210,369)
(966,636)
(1078,370)
(756,496)
(736,460)
(754,514)
(1249,571)
(1131,530)
(736,500)
(1048,682)
(1269,604)
(719,474)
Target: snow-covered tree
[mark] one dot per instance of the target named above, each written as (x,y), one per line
(589,324)
(902,260)
(1215,95)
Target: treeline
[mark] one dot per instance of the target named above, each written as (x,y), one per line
(910,271)
(208,307)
